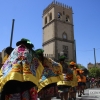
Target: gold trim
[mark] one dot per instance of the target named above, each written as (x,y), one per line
(49,81)
(68,83)
(19,77)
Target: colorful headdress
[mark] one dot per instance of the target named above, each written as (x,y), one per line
(72,63)
(61,58)
(39,51)
(26,42)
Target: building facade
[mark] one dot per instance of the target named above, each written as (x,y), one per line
(58,31)
(91,65)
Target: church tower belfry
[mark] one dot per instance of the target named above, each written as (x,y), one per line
(58,31)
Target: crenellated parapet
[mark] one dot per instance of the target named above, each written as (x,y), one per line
(56,3)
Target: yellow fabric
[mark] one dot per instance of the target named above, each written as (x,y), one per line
(72,83)
(25,76)
(39,69)
(49,81)
(67,83)
(63,82)
(17,76)
(3,61)
(5,58)
(56,69)
(0,73)
(75,79)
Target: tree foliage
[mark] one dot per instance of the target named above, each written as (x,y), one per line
(94,72)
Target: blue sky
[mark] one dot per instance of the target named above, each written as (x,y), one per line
(28,24)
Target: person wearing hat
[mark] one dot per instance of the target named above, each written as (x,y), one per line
(51,75)
(72,93)
(8,51)
(19,80)
(65,85)
(80,83)
(83,83)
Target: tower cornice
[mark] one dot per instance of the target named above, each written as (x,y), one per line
(56,38)
(68,23)
(56,3)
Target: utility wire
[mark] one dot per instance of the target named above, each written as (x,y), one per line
(88,50)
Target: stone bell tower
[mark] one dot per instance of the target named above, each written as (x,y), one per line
(58,31)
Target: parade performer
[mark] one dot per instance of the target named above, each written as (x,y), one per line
(65,85)
(8,51)
(20,79)
(80,77)
(51,75)
(83,83)
(72,93)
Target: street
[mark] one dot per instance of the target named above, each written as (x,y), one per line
(86,96)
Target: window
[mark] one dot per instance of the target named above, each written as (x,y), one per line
(50,16)
(45,20)
(67,18)
(63,13)
(59,15)
(64,35)
(65,48)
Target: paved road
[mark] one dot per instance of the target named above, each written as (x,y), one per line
(86,96)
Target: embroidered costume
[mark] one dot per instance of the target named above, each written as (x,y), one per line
(20,79)
(50,76)
(65,85)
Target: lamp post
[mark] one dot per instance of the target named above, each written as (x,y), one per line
(94,57)
(12,32)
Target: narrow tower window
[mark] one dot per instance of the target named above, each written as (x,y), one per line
(45,20)
(67,18)
(63,13)
(59,15)
(64,35)
(50,16)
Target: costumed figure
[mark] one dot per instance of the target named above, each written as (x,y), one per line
(72,93)
(65,85)
(8,51)
(51,75)
(83,82)
(20,79)
(80,83)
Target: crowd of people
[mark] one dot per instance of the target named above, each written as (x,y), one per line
(27,75)
(92,82)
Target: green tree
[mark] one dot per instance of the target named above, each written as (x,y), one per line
(94,72)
